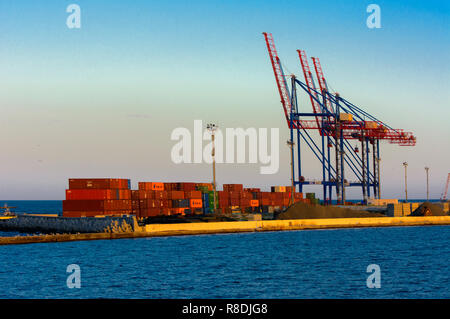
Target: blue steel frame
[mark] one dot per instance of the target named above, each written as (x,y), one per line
(332,176)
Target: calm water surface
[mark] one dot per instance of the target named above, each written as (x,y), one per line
(297,264)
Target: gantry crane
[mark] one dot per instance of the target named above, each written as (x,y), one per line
(338,121)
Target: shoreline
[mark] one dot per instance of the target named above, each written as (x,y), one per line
(190,229)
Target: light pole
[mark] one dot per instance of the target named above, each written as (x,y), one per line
(428,189)
(212,129)
(291,144)
(405,164)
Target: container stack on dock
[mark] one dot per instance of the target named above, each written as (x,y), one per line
(165,199)
(97,197)
(252,200)
(94,197)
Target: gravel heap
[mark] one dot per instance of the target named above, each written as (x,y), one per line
(307,211)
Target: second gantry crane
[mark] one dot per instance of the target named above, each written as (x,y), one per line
(337,121)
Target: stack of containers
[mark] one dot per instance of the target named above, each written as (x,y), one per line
(164,199)
(207,195)
(151,200)
(92,197)
(97,197)
(312,198)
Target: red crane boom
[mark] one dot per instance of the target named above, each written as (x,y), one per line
(322,82)
(279,75)
(310,83)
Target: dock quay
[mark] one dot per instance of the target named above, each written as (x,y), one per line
(184,229)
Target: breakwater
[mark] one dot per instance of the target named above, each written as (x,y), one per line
(160,230)
(54,224)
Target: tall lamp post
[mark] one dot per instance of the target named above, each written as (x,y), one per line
(428,189)
(212,129)
(291,144)
(405,164)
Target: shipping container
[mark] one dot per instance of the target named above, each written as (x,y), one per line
(96,205)
(193,194)
(186,187)
(196,203)
(254,203)
(150,203)
(176,195)
(75,194)
(180,203)
(151,186)
(233,187)
(99,183)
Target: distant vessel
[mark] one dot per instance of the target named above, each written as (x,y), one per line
(7,210)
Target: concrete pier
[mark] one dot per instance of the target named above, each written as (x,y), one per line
(160,230)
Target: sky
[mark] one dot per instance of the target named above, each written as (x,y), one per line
(103,100)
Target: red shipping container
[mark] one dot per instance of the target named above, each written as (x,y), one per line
(124,194)
(134,194)
(176,195)
(244,203)
(246,195)
(193,195)
(143,194)
(233,194)
(150,203)
(233,187)
(96,205)
(73,194)
(186,187)
(234,202)
(99,183)
(160,195)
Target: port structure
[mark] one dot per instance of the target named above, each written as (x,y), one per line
(444,195)
(338,122)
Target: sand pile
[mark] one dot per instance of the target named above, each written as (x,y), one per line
(428,209)
(307,211)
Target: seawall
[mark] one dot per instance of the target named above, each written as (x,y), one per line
(160,230)
(53,224)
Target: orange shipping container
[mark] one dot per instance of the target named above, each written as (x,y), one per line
(254,203)
(196,203)
(151,186)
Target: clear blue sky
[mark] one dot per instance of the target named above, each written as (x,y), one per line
(102,100)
